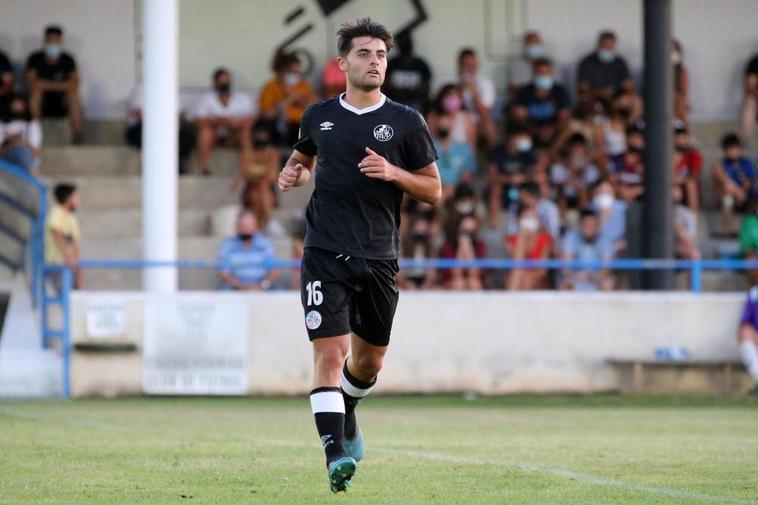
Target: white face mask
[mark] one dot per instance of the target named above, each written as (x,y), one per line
(291,78)
(524,145)
(464,207)
(529,224)
(676,57)
(604,201)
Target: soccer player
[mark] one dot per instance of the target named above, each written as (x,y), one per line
(365,151)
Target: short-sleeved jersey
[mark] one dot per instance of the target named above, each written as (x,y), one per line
(58,70)
(349,212)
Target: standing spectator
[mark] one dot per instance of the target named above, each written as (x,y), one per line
(685,228)
(449,100)
(456,161)
(259,170)
(478,93)
(531,241)
(463,244)
(543,105)
(222,116)
(20,136)
(62,235)
(285,97)
(419,246)
(237,255)
(681,84)
(688,163)
(133,133)
(586,245)
(54,82)
(603,72)
(735,179)
(521,69)
(750,101)
(333,80)
(510,166)
(573,174)
(408,77)
(748,337)
(6,80)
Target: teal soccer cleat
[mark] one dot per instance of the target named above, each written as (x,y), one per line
(340,472)
(354,446)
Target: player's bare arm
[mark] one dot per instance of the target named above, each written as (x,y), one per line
(423,184)
(296,171)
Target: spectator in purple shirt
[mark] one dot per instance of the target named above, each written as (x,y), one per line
(748,337)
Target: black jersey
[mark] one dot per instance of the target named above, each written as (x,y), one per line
(350,212)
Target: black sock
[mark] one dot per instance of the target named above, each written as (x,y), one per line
(329,412)
(352,391)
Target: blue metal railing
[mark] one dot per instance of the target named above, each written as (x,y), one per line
(62,290)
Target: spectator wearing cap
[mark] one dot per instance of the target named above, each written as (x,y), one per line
(53,82)
(735,180)
(62,235)
(585,244)
(521,69)
(688,163)
(602,73)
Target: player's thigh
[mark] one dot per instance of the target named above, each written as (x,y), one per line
(325,295)
(375,305)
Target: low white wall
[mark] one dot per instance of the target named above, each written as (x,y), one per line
(489,342)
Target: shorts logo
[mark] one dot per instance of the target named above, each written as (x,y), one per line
(383,132)
(313,320)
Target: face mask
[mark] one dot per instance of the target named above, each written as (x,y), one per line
(533,51)
(420,237)
(52,51)
(624,112)
(291,78)
(543,82)
(443,133)
(260,144)
(452,103)
(224,87)
(578,161)
(524,145)
(464,207)
(604,201)
(606,55)
(676,57)
(245,237)
(529,224)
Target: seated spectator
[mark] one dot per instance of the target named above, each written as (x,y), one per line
(53,82)
(463,204)
(133,132)
(530,242)
(603,72)
(408,76)
(419,245)
(611,214)
(259,169)
(510,166)
(222,116)
(333,80)
(681,83)
(62,235)
(456,161)
(463,244)
(688,163)
(749,110)
(573,174)
(735,180)
(20,136)
(449,100)
(547,211)
(628,173)
(543,105)
(521,69)
(478,93)
(237,255)
(586,245)
(6,80)
(748,338)
(685,228)
(284,98)
(610,134)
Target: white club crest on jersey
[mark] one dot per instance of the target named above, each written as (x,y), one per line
(383,132)
(326,126)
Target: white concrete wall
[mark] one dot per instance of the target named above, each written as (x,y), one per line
(489,342)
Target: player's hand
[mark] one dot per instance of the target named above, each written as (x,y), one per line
(376,167)
(289,176)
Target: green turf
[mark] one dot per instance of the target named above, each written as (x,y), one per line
(436,450)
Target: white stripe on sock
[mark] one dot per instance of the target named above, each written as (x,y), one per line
(749,353)
(351,390)
(327,401)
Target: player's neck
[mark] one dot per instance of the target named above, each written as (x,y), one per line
(362,99)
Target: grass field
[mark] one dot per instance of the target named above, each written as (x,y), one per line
(436,450)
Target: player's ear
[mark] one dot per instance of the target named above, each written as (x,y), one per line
(342,63)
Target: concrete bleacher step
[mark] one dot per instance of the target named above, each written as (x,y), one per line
(125,223)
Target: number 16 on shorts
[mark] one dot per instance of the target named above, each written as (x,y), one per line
(314,297)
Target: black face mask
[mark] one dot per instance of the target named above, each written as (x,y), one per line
(224,87)
(420,237)
(245,237)
(624,112)
(260,144)
(443,133)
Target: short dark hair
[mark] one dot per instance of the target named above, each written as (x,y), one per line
(587,212)
(63,191)
(466,51)
(531,188)
(576,139)
(53,30)
(282,60)
(606,35)
(219,72)
(363,27)
(540,62)
(731,139)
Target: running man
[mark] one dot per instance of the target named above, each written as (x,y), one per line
(368,151)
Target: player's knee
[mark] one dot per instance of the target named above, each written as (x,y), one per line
(330,359)
(369,364)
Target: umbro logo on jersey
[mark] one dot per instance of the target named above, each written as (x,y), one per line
(383,132)
(326,125)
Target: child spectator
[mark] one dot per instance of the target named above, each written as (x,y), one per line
(628,173)
(20,136)
(611,214)
(463,244)
(572,176)
(62,235)
(419,246)
(688,163)
(236,255)
(586,245)
(530,242)
(734,177)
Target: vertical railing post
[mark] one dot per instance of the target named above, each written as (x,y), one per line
(696,276)
(66,340)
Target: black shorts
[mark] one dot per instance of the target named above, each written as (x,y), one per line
(343,294)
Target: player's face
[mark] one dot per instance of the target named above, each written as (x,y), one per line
(366,63)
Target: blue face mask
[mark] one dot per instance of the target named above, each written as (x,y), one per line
(605,55)
(52,51)
(543,82)
(533,51)
(524,145)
